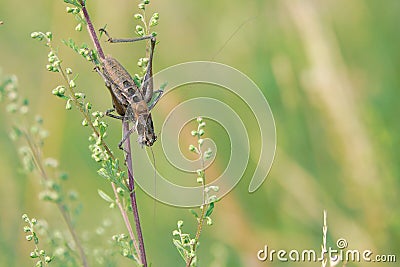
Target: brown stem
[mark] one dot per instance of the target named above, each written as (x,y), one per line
(131,184)
(105,146)
(92,31)
(127,148)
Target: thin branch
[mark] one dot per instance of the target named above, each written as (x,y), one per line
(108,150)
(66,216)
(127,148)
(131,184)
(92,31)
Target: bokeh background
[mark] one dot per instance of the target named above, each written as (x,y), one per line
(330,71)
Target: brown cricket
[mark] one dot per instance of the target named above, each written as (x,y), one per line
(129,101)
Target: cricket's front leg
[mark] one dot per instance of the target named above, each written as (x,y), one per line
(126,135)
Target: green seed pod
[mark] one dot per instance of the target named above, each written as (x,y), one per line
(52,59)
(180,224)
(138,16)
(78,27)
(153,22)
(72,84)
(68,106)
(200,172)
(35,35)
(139,28)
(61,90)
(88,106)
(55,91)
(49,35)
(80,95)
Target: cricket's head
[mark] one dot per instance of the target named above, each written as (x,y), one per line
(145,129)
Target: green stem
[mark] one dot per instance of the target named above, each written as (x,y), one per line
(38,161)
(105,146)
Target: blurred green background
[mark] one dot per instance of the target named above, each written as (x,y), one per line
(330,71)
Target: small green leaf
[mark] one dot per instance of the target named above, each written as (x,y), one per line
(192,211)
(74,2)
(210,209)
(105,196)
(182,251)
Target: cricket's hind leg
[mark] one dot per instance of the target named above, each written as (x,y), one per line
(124,40)
(147,85)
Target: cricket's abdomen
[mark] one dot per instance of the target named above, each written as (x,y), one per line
(121,83)
(119,75)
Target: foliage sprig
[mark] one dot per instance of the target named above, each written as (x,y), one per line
(185,244)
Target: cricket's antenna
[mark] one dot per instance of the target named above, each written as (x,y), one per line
(231,36)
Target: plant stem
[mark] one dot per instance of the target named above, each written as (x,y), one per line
(92,31)
(64,212)
(127,148)
(203,207)
(131,184)
(104,145)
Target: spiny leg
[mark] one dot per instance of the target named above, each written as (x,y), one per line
(109,114)
(106,80)
(126,135)
(147,85)
(125,40)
